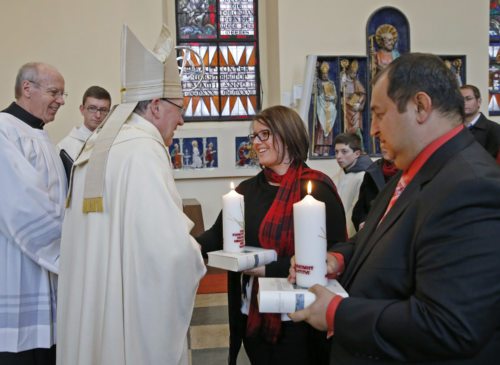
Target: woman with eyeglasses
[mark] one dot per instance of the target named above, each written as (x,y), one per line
(280,141)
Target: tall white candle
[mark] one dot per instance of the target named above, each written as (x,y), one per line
(233,221)
(309,219)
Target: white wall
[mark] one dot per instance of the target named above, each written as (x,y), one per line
(82,39)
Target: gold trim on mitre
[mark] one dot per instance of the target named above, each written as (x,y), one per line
(149,74)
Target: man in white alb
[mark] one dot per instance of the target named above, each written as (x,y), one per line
(33,186)
(95,107)
(129,267)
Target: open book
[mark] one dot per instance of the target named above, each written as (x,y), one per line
(277,295)
(249,258)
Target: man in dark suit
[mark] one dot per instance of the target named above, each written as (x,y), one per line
(486,132)
(423,274)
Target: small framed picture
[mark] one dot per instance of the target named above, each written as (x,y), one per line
(212,150)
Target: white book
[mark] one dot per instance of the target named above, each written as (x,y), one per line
(249,258)
(277,295)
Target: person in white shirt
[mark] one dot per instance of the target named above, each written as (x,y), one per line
(353,163)
(33,187)
(95,107)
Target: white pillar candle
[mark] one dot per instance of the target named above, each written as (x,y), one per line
(233,221)
(309,220)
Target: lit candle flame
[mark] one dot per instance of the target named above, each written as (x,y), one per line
(232,185)
(309,187)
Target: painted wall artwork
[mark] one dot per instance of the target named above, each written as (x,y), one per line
(457,65)
(214,150)
(388,36)
(244,155)
(324,118)
(194,153)
(336,90)
(337,102)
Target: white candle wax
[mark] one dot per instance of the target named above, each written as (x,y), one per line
(309,219)
(233,222)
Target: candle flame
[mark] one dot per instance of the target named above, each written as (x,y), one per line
(309,187)
(232,185)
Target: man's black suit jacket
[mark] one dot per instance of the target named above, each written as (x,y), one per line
(424,284)
(372,183)
(487,133)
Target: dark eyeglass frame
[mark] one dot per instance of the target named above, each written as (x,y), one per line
(181,108)
(263,135)
(93,109)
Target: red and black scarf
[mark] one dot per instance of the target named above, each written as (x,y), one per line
(276,232)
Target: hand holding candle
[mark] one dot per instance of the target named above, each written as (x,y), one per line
(309,219)
(233,221)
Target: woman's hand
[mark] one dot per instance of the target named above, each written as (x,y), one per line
(259,271)
(292,274)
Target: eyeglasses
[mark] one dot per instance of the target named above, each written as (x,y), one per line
(55,93)
(263,135)
(181,108)
(93,109)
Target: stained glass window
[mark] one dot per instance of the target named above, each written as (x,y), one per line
(218,43)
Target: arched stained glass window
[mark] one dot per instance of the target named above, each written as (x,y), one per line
(223,36)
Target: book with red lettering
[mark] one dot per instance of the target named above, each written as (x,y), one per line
(249,258)
(277,295)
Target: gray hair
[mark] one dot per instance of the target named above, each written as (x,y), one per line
(141,107)
(29,72)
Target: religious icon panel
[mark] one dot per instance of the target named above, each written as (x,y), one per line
(336,94)
(388,36)
(194,153)
(244,154)
(456,64)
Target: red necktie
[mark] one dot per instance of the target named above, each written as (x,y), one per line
(397,192)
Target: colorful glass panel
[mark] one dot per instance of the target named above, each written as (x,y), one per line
(196,19)
(220,76)
(236,18)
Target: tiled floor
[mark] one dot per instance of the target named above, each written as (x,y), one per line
(209,332)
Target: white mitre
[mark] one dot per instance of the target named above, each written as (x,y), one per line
(148,75)
(145,75)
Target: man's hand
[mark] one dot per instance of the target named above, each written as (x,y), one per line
(315,314)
